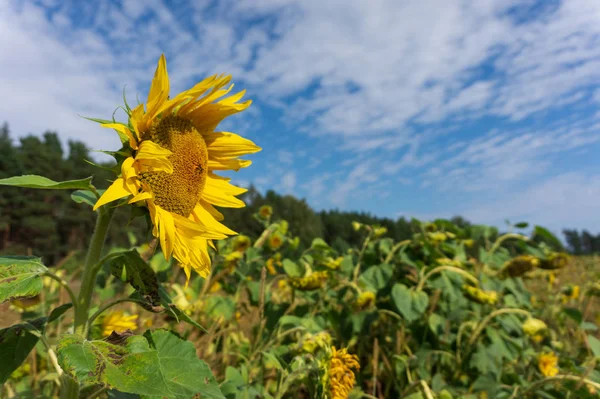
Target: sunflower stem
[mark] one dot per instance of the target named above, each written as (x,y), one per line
(91,268)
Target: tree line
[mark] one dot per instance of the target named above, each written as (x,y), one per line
(48,223)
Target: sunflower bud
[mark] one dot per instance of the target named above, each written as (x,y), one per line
(365,300)
(519,265)
(311,282)
(333,264)
(533,327)
(241,243)
(311,342)
(275,241)
(379,231)
(265,212)
(477,295)
(356,226)
(437,236)
(556,260)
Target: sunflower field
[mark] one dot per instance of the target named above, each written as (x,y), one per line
(195,310)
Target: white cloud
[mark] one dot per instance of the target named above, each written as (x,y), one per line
(563,201)
(288,183)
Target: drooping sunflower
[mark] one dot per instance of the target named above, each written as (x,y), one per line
(174,151)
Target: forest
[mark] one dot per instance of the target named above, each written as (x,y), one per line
(51,223)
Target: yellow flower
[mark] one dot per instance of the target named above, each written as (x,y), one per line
(477,295)
(437,236)
(469,243)
(241,243)
(173,153)
(379,231)
(118,322)
(216,287)
(365,300)
(283,293)
(450,262)
(265,211)
(333,264)
(310,282)
(548,364)
(231,260)
(551,278)
(533,327)
(570,292)
(339,377)
(356,226)
(275,241)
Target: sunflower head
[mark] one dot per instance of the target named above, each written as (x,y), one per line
(548,364)
(117,321)
(173,151)
(339,374)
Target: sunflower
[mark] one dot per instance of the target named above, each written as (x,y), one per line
(173,152)
(117,321)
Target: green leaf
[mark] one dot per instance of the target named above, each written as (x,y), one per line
(546,236)
(34,181)
(292,269)
(131,268)
(402,298)
(15,344)
(420,301)
(521,225)
(377,277)
(59,311)
(594,345)
(158,365)
(20,277)
(574,314)
(319,244)
(86,197)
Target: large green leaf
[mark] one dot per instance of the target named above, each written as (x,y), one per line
(157,365)
(20,277)
(35,181)
(131,268)
(15,344)
(403,300)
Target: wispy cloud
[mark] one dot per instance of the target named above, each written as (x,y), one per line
(439,96)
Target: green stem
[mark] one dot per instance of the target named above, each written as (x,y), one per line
(450,269)
(70,387)
(479,329)
(395,248)
(360,255)
(505,237)
(90,270)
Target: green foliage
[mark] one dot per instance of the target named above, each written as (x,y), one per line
(40,182)
(158,364)
(20,277)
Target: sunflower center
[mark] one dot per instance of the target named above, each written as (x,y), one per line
(180,191)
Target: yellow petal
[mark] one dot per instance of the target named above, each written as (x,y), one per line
(140,197)
(202,216)
(117,190)
(166,230)
(219,192)
(227,164)
(159,89)
(125,130)
(228,145)
(154,158)
(193,230)
(211,209)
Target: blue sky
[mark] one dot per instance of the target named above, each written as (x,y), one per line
(488,109)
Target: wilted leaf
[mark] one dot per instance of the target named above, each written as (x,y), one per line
(158,364)
(20,277)
(34,181)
